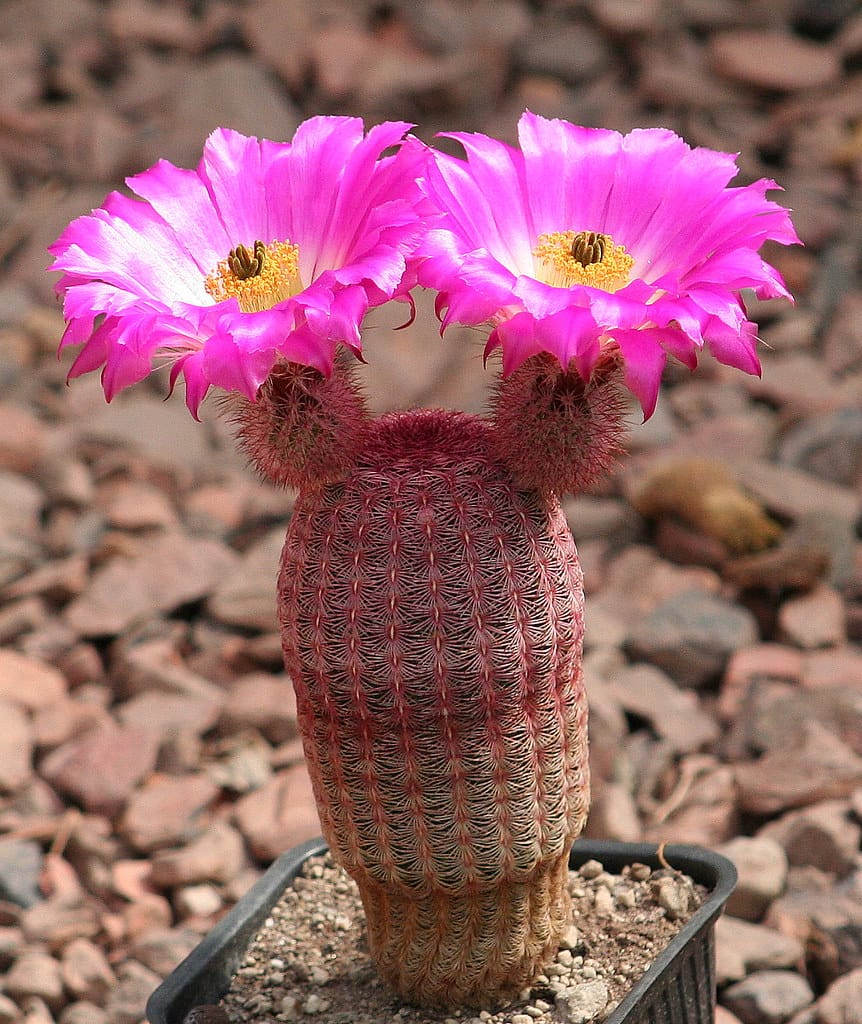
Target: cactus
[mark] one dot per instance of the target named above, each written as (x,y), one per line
(431,608)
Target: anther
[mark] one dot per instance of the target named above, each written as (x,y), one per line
(589,247)
(244,263)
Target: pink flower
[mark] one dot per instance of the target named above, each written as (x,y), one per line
(266,250)
(585,241)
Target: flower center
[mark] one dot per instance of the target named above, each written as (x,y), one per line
(257,278)
(566,258)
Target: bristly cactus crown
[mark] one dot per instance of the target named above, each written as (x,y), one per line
(583,244)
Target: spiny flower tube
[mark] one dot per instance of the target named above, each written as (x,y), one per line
(267,251)
(585,243)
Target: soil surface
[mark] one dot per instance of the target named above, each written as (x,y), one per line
(310,958)
(149,761)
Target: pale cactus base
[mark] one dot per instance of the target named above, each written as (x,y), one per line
(432,620)
(435,948)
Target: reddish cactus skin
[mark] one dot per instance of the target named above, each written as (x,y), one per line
(432,620)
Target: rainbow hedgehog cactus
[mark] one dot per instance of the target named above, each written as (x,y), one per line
(430,595)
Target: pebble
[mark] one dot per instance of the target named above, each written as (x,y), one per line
(842,1001)
(245,598)
(83,1013)
(29,683)
(216,855)
(263,702)
(197,901)
(819,768)
(20,867)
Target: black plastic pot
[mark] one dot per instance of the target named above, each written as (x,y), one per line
(679,987)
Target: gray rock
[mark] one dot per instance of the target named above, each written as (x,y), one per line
(828,446)
(768,997)
(20,864)
(583,1003)
(566,49)
(691,636)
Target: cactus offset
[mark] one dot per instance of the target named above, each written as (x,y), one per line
(432,615)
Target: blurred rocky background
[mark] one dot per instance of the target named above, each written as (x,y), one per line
(149,760)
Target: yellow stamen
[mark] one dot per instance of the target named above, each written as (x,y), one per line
(257,278)
(566,258)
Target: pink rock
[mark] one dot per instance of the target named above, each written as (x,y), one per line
(842,1001)
(16,747)
(28,682)
(743,947)
(62,721)
(167,810)
(706,814)
(246,597)
(763,663)
(57,921)
(217,855)
(156,665)
(36,974)
(819,768)
(86,971)
(839,666)
(772,59)
(151,912)
(815,619)
(102,767)
(761,864)
(263,702)
(674,714)
(216,508)
(58,580)
(23,439)
(822,836)
(168,572)
(134,505)
(169,713)
(279,815)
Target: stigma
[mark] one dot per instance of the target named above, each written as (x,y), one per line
(567,258)
(258,277)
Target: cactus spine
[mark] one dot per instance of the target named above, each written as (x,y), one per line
(432,616)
